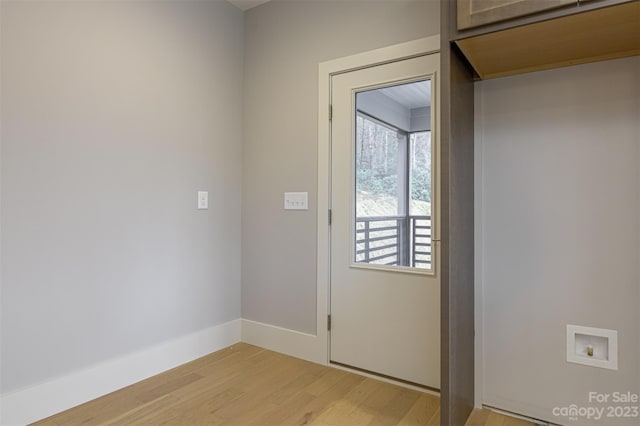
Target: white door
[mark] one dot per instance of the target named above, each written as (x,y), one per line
(385,291)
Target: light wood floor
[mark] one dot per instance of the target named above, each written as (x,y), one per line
(491,418)
(247,385)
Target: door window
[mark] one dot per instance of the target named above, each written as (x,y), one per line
(393,176)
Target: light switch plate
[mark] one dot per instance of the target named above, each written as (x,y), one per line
(296,201)
(203,200)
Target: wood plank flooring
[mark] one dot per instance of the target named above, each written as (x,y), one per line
(491,418)
(247,385)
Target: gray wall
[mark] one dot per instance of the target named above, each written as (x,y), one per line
(421,119)
(559,222)
(114,115)
(285,41)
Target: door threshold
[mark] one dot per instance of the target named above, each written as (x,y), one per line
(384,378)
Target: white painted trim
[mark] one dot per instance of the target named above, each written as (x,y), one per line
(51,397)
(289,342)
(325,71)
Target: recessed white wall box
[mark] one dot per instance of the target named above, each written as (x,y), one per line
(596,347)
(296,201)
(203,200)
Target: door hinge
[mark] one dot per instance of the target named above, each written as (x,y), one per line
(329,216)
(329,322)
(330,112)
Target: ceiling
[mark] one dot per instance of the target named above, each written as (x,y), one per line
(411,95)
(247,4)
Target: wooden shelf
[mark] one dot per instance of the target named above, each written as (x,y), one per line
(600,34)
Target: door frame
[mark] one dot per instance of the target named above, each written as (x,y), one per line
(326,70)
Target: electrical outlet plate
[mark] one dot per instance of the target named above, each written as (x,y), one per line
(296,201)
(603,344)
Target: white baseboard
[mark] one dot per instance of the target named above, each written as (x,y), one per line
(40,401)
(43,400)
(289,342)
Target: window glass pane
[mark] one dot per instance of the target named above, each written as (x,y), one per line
(392,168)
(377,174)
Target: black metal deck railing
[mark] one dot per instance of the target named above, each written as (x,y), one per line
(394,240)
